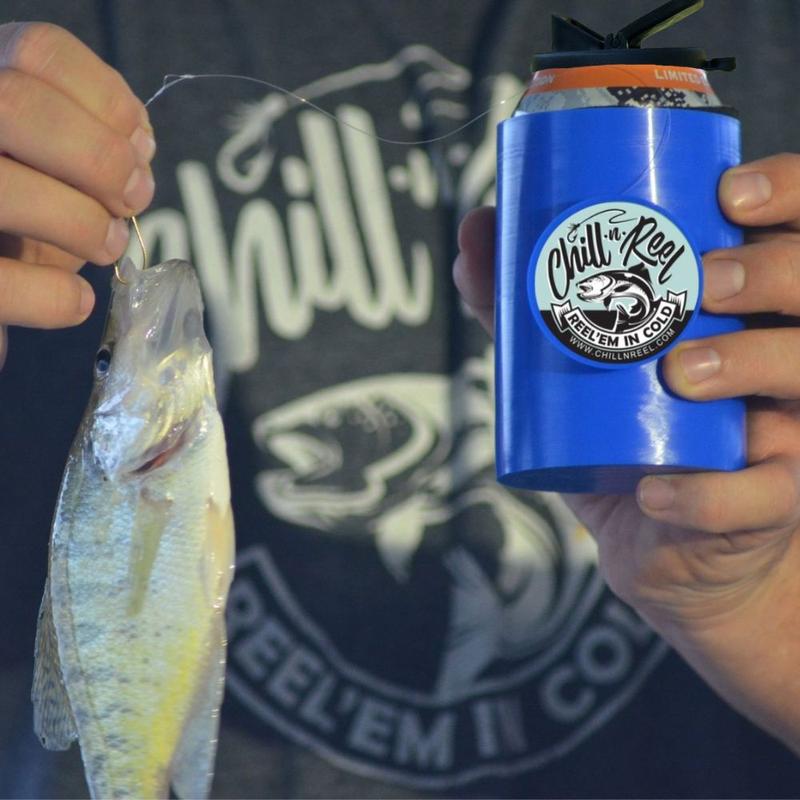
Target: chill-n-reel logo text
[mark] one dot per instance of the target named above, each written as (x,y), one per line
(614,283)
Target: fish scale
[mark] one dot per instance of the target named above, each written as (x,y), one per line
(141,557)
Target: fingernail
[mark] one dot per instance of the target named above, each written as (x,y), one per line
(699,363)
(746,190)
(138,191)
(116,238)
(87,299)
(656,494)
(144,145)
(723,278)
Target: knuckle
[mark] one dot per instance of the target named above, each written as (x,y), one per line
(12,96)
(65,301)
(710,512)
(89,233)
(8,293)
(109,161)
(118,106)
(39,296)
(790,296)
(777,162)
(792,158)
(51,300)
(775,361)
(7,167)
(35,46)
(786,502)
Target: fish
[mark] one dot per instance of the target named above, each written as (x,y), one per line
(630,294)
(130,645)
(346,453)
(374,455)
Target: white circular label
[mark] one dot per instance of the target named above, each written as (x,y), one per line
(614,283)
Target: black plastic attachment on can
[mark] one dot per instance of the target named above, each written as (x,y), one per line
(576,45)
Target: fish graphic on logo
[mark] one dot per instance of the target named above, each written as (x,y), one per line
(629,294)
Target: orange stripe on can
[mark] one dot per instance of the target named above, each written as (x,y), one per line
(619,75)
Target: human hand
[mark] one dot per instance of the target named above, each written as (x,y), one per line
(711,560)
(75,149)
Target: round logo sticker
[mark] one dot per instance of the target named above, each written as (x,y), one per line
(614,283)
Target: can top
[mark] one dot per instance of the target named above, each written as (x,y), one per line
(576,45)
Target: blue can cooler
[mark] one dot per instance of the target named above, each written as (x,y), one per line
(603,216)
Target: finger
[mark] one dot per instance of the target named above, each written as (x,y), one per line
(473,268)
(476,300)
(58,58)
(61,215)
(86,153)
(759,497)
(755,235)
(3,345)
(759,277)
(773,430)
(764,192)
(21,248)
(763,362)
(42,296)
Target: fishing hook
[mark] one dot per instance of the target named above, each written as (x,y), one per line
(141,244)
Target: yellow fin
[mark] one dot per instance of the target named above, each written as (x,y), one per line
(219,551)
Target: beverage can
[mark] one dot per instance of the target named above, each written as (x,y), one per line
(607,181)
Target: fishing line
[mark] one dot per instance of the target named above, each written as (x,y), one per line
(172,80)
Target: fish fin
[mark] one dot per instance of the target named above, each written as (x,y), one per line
(641,271)
(53,721)
(192,767)
(220,553)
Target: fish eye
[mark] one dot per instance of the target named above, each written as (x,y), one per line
(102,362)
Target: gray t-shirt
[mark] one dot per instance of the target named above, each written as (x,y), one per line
(391,621)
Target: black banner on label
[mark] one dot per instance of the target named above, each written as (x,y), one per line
(574,328)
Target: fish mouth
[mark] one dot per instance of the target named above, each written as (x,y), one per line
(307,457)
(591,289)
(164,450)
